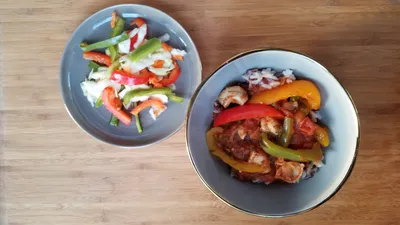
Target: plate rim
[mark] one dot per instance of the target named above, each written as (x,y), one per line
(63,56)
(348,173)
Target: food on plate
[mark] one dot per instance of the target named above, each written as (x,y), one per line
(266,128)
(131,72)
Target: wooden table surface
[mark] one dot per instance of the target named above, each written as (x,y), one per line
(53,173)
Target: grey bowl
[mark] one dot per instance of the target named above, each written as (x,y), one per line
(275,200)
(74,70)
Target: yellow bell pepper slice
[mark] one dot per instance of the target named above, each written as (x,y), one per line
(321,135)
(217,151)
(303,88)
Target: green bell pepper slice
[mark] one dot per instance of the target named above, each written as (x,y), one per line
(117,30)
(145,92)
(174,98)
(301,155)
(113,67)
(138,123)
(99,102)
(114,121)
(119,27)
(288,130)
(106,43)
(144,50)
(93,65)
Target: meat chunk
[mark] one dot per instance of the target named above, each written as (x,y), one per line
(260,159)
(271,125)
(230,140)
(290,172)
(266,178)
(234,94)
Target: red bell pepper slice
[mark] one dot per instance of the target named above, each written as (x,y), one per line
(247,111)
(123,77)
(172,77)
(114,105)
(98,57)
(133,41)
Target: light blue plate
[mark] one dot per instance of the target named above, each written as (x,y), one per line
(74,70)
(276,200)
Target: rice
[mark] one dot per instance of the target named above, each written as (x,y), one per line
(267,77)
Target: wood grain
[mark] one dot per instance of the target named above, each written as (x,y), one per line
(51,172)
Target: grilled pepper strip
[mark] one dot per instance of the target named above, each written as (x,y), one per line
(300,155)
(246,111)
(303,110)
(321,135)
(235,164)
(106,43)
(303,88)
(288,130)
(145,92)
(144,50)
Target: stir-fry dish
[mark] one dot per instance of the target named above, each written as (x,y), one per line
(266,128)
(130,72)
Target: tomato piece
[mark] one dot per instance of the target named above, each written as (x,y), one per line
(247,111)
(114,105)
(172,77)
(98,57)
(306,126)
(123,77)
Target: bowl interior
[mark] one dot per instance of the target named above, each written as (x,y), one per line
(337,112)
(74,70)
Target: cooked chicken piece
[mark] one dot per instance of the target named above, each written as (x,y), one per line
(290,172)
(271,125)
(234,94)
(260,159)
(241,132)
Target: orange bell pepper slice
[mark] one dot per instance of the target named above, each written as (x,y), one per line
(172,77)
(177,57)
(166,47)
(138,22)
(98,57)
(156,103)
(154,81)
(217,151)
(303,88)
(158,63)
(114,105)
